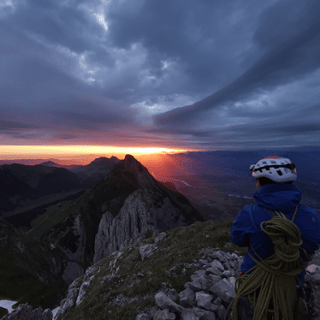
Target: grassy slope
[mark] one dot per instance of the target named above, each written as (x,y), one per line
(55,215)
(22,261)
(183,245)
(92,201)
(20,284)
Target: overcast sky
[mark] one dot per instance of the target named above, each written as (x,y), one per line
(194,74)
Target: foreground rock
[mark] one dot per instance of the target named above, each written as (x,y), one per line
(205,297)
(211,289)
(26,312)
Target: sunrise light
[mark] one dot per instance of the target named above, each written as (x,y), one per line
(34,151)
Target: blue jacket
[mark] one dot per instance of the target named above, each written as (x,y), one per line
(246,229)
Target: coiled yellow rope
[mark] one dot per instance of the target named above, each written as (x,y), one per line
(270,285)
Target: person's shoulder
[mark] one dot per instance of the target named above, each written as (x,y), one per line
(245,211)
(303,209)
(247,208)
(308,216)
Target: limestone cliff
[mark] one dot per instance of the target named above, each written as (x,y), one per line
(143,212)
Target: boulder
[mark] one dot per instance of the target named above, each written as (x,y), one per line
(195,286)
(164,302)
(147,250)
(217,264)
(161,236)
(188,315)
(224,290)
(204,300)
(143,316)
(164,315)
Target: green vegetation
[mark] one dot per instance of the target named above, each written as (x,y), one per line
(107,194)
(19,284)
(26,269)
(55,215)
(181,246)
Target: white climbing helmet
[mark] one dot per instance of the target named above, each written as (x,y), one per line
(277,169)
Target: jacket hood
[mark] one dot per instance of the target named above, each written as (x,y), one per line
(281,197)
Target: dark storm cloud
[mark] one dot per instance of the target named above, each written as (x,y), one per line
(299,127)
(85,70)
(45,95)
(6,126)
(195,36)
(63,23)
(289,42)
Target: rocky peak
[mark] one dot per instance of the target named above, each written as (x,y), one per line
(50,164)
(103,160)
(131,170)
(99,160)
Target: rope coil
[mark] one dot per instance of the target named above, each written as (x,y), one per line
(270,285)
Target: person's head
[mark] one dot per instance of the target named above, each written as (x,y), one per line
(271,170)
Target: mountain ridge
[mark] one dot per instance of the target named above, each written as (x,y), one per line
(132,200)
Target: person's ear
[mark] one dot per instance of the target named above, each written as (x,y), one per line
(258,185)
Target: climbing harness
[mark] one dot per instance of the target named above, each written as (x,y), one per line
(271,285)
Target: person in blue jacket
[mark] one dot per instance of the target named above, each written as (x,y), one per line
(276,192)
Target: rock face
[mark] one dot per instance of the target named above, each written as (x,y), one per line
(127,206)
(75,253)
(26,312)
(143,212)
(134,172)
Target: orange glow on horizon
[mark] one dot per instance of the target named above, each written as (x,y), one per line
(67,151)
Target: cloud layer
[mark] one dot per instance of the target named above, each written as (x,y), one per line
(186,74)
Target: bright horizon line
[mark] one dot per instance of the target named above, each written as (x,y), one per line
(20,152)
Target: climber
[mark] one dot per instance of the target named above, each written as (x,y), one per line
(257,227)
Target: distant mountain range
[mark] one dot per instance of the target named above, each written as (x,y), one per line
(28,187)
(23,186)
